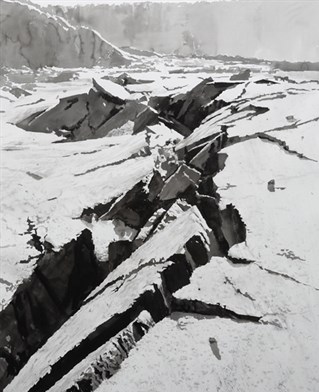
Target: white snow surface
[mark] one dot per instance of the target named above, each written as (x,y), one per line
(282,226)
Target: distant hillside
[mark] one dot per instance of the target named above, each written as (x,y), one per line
(273,30)
(33,38)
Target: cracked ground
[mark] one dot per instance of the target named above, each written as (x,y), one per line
(160,230)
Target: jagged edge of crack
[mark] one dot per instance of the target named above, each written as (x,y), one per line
(195,306)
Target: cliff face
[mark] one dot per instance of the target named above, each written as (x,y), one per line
(36,39)
(270,30)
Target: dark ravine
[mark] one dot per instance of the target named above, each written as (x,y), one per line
(101,335)
(107,362)
(157,302)
(55,290)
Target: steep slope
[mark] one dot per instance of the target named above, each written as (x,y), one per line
(33,38)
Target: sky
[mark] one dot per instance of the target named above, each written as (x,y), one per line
(78,2)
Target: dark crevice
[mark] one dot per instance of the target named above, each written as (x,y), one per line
(55,291)
(282,144)
(240,260)
(106,364)
(200,307)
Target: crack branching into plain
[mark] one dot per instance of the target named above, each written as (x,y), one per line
(115,163)
(237,290)
(285,276)
(132,274)
(200,307)
(263,136)
(282,144)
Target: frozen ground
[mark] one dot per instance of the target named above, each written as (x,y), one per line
(217,209)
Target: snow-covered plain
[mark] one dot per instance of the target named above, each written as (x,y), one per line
(178,355)
(270,175)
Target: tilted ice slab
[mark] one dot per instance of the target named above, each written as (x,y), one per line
(110,88)
(284,106)
(51,183)
(115,295)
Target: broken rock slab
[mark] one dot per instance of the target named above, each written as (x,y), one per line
(104,362)
(205,159)
(148,116)
(121,121)
(138,204)
(178,182)
(160,219)
(91,115)
(114,92)
(187,110)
